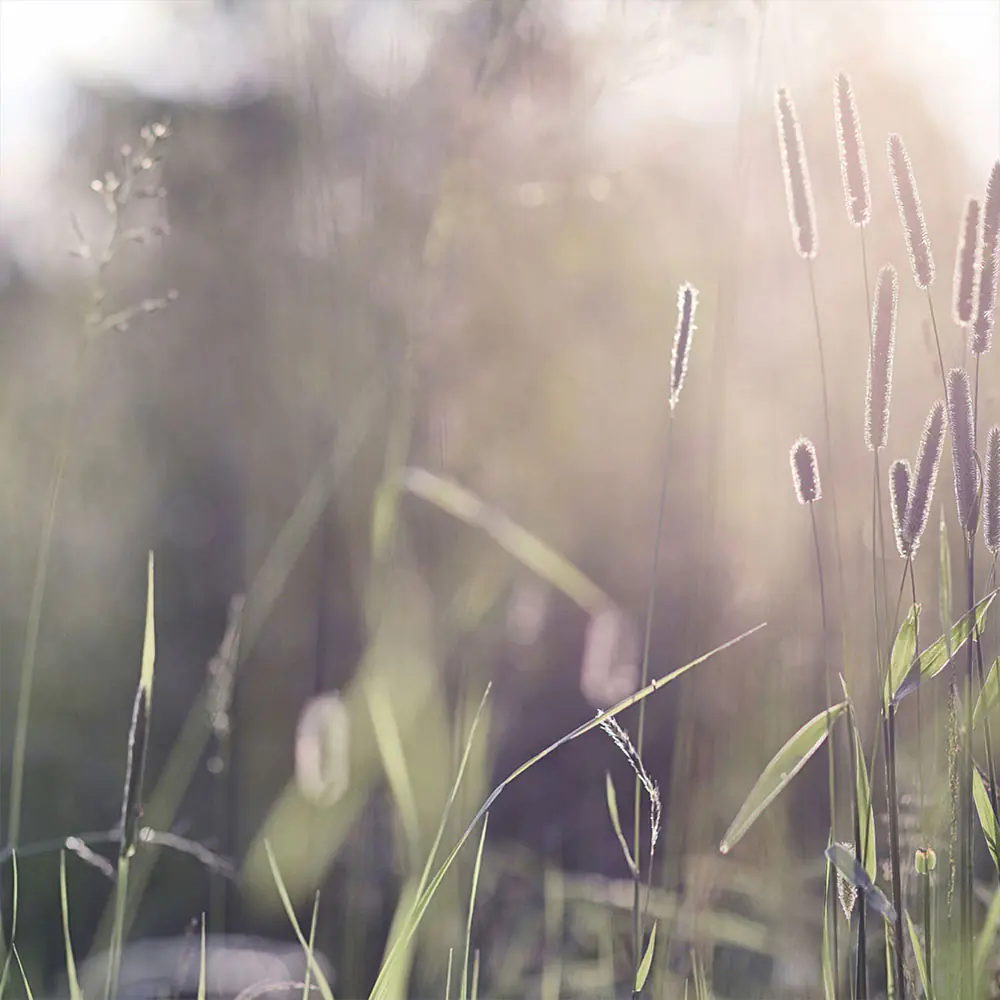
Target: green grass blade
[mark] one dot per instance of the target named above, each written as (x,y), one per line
(904,648)
(447,982)
(987,820)
(784,765)
(937,656)
(472,907)
(525,547)
(869,862)
(71,976)
(647,962)
(310,951)
(321,981)
(989,697)
(845,863)
(474,992)
(986,941)
(918,951)
(24,977)
(616,821)
(425,897)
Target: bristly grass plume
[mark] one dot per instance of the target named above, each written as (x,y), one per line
(853,163)
(899,495)
(963,448)
(918,505)
(880,359)
(991,492)
(918,243)
(798,190)
(989,266)
(687,302)
(965,264)
(805,471)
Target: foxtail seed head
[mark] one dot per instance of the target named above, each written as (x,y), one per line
(899,495)
(805,472)
(963,448)
(918,504)
(965,264)
(989,267)
(798,190)
(918,244)
(687,302)
(880,355)
(991,491)
(853,164)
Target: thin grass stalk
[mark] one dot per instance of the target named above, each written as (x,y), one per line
(894,859)
(860,852)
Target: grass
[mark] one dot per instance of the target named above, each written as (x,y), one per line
(900,928)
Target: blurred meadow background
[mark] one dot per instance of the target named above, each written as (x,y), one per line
(386,328)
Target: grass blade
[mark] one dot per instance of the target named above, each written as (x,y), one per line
(647,962)
(987,819)
(826,959)
(989,697)
(616,822)
(937,656)
(472,907)
(903,650)
(847,865)
(869,861)
(201,965)
(71,976)
(321,981)
(918,951)
(13,924)
(784,765)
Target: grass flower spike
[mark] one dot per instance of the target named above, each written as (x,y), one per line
(991,491)
(918,504)
(963,448)
(899,495)
(965,264)
(853,164)
(880,359)
(989,267)
(805,472)
(798,191)
(687,302)
(918,244)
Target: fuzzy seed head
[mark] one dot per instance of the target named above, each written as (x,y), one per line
(965,264)
(918,504)
(883,341)
(899,495)
(805,471)
(989,267)
(918,243)
(991,491)
(853,164)
(687,302)
(798,190)
(963,448)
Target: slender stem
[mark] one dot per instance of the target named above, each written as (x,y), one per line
(831,749)
(897,890)
(647,637)
(860,852)
(937,342)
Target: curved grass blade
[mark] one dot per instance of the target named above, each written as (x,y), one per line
(472,908)
(989,697)
(609,787)
(987,936)
(848,866)
(937,656)
(987,818)
(201,963)
(71,977)
(321,981)
(918,951)
(646,964)
(13,924)
(826,960)
(425,897)
(904,648)
(525,547)
(784,765)
(869,861)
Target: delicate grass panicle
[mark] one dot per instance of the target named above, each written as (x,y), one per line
(798,190)
(989,267)
(991,491)
(899,495)
(805,471)
(963,448)
(965,264)
(880,359)
(918,244)
(918,504)
(687,302)
(853,164)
